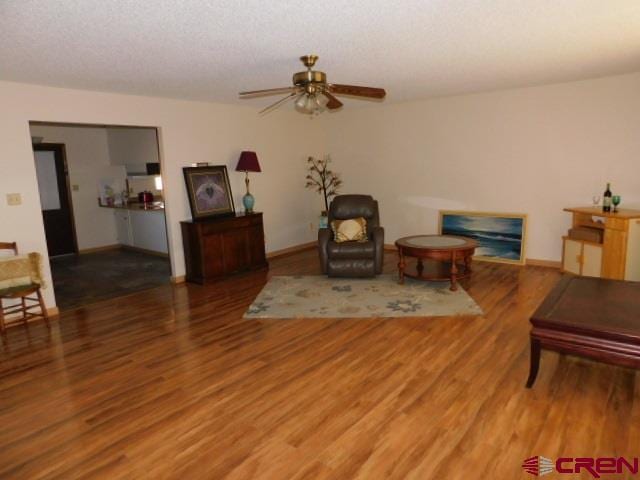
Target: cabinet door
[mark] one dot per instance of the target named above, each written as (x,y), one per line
(212,255)
(256,245)
(123,228)
(571,260)
(591,260)
(615,248)
(632,267)
(149,231)
(236,250)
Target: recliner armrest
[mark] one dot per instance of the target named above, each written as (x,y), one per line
(377,235)
(324,236)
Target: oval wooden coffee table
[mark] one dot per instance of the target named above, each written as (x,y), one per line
(443,248)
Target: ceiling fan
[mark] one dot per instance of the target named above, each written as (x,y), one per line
(311,91)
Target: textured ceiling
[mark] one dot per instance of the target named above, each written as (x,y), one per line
(210,50)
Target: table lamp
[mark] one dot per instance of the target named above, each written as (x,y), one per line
(248,162)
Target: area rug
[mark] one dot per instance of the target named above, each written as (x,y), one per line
(322,297)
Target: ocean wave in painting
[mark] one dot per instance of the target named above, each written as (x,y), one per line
(498,237)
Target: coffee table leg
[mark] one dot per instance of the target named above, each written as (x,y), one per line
(535,362)
(467,264)
(401,266)
(454,272)
(419,267)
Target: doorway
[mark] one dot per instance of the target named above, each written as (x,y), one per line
(55,198)
(113,241)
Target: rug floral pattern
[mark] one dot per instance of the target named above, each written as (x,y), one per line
(321,297)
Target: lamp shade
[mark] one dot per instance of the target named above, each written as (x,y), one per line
(248,162)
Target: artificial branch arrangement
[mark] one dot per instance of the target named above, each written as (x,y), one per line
(323,180)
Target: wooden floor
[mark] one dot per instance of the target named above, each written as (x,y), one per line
(173,383)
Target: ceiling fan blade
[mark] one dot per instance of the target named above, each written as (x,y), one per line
(333,101)
(357,90)
(268,91)
(275,105)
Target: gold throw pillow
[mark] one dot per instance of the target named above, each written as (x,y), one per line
(350,230)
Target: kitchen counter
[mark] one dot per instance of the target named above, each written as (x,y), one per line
(153,206)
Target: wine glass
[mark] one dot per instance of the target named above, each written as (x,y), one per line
(596,200)
(616,201)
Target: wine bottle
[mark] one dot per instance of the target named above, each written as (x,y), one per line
(606,199)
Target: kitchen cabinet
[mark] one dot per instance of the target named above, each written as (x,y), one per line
(144,229)
(149,230)
(123,230)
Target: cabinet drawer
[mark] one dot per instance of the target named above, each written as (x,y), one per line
(616,224)
(232,223)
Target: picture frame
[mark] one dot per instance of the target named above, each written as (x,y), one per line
(501,237)
(209,191)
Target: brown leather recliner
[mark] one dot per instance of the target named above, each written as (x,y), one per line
(352,259)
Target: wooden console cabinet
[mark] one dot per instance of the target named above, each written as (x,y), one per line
(617,257)
(221,246)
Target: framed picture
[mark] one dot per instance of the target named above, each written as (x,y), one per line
(209,191)
(501,237)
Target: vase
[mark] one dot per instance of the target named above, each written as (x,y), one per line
(248,201)
(324,221)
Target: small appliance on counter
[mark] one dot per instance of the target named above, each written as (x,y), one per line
(145,197)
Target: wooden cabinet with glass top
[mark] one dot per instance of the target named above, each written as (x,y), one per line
(615,256)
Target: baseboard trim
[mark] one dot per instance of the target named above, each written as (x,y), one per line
(53,311)
(119,246)
(144,250)
(544,263)
(99,249)
(291,250)
(392,248)
(178,279)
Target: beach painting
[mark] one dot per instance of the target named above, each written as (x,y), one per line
(501,237)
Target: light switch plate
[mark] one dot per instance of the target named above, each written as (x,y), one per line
(75,188)
(14,199)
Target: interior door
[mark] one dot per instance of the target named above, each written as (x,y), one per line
(55,198)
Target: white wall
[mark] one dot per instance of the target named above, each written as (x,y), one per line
(132,146)
(532,150)
(189,132)
(88,161)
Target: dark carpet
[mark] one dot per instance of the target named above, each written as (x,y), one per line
(82,279)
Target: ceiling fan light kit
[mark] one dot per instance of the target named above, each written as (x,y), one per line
(312,93)
(311,103)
